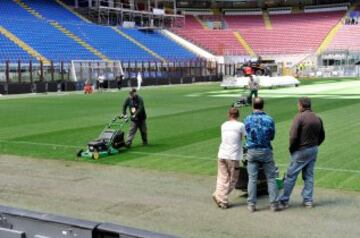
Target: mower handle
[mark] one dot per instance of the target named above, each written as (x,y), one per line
(116,118)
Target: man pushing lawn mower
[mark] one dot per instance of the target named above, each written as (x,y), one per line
(136,106)
(109,142)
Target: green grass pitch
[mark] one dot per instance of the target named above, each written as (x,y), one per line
(184,127)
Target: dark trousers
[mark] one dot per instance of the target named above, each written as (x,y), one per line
(119,84)
(252,92)
(133,128)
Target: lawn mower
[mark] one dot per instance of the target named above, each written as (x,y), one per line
(111,139)
(243,179)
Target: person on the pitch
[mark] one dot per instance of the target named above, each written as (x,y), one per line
(254,86)
(138,117)
(306,134)
(229,155)
(260,131)
(101,80)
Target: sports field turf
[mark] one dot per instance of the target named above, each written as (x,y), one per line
(184,127)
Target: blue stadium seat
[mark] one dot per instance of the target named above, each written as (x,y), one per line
(51,10)
(110,43)
(160,44)
(10,51)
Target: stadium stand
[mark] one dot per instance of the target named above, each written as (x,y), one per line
(43,37)
(60,35)
(288,34)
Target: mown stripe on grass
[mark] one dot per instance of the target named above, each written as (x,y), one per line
(167,155)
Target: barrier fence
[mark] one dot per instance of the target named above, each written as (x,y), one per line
(36,77)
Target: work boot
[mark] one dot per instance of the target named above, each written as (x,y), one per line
(308,204)
(284,205)
(274,207)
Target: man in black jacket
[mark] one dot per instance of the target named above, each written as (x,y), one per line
(138,117)
(306,134)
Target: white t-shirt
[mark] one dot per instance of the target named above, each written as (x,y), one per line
(232,133)
(101,78)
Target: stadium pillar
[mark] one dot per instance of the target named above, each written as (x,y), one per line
(217,69)
(19,71)
(7,72)
(41,71)
(62,71)
(30,72)
(52,70)
(97,71)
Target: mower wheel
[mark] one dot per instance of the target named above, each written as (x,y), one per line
(95,155)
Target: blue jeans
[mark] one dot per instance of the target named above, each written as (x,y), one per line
(304,161)
(262,157)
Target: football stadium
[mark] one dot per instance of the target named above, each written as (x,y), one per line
(79,157)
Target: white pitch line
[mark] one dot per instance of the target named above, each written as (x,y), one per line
(168,155)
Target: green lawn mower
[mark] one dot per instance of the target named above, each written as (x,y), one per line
(110,141)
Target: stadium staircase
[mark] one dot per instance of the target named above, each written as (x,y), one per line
(127,36)
(27,8)
(217,42)
(79,41)
(159,43)
(17,49)
(244,43)
(204,26)
(267,20)
(72,11)
(344,37)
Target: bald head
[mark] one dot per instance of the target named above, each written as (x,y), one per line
(258,103)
